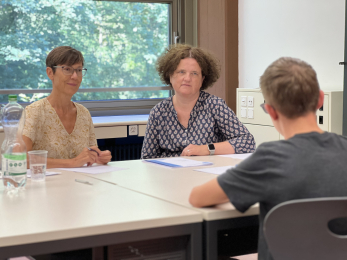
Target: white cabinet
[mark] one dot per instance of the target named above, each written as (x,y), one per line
(329,117)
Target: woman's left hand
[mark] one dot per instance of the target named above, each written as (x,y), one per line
(194,149)
(103,156)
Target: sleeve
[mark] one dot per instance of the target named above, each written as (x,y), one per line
(232,129)
(92,138)
(32,123)
(254,179)
(150,147)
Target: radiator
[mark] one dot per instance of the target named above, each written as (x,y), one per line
(122,149)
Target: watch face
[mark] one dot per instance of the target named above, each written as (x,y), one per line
(211,146)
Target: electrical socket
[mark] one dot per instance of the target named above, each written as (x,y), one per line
(133,130)
(250,101)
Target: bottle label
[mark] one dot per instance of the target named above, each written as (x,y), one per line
(14,164)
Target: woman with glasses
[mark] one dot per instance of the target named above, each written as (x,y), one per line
(58,125)
(192,122)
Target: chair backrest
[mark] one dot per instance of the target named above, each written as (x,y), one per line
(298,229)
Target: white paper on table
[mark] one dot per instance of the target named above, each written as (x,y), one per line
(94,169)
(178,162)
(215,170)
(48,173)
(240,156)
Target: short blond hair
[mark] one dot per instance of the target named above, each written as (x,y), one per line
(291,86)
(168,63)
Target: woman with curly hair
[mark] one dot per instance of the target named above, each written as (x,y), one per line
(192,122)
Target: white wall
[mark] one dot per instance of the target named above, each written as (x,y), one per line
(312,30)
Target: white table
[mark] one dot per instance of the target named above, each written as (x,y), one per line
(61,215)
(174,185)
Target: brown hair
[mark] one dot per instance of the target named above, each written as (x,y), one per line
(168,63)
(291,87)
(64,55)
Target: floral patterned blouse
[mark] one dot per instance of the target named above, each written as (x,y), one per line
(211,121)
(47,132)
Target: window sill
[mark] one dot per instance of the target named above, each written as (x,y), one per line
(111,126)
(104,121)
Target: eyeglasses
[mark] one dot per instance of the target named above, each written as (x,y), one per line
(263,107)
(183,73)
(67,70)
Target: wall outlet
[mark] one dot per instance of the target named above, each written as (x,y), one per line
(250,101)
(243,101)
(133,130)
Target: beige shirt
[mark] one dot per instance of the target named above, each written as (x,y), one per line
(46,131)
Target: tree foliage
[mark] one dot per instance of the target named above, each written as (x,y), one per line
(120,42)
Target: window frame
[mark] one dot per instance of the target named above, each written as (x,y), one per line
(183,23)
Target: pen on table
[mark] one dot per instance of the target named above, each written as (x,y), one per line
(90,149)
(85,182)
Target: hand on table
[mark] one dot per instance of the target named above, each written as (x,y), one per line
(104,157)
(194,149)
(85,157)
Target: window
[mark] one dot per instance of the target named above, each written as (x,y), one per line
(120,42)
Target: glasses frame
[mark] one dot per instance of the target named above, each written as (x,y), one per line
(84,70)
(262,105)
(183,73)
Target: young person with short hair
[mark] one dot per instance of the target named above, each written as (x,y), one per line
(309,163)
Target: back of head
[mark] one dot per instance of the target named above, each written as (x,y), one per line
(168,63)
(64,55)
(291,87)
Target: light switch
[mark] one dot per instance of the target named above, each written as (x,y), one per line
(243,112)
(243,101)
(250,101)
(250,113)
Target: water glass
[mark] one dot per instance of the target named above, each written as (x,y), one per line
(38,164)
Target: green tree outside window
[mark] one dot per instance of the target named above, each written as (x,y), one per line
(120,42)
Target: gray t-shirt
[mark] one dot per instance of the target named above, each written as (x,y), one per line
(307,165)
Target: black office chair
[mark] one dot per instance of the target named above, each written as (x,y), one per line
(308,229)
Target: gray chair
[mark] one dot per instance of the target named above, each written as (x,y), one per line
(302,229)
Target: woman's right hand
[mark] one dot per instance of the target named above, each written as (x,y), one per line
(85,157)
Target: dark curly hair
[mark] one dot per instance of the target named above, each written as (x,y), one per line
(168,63)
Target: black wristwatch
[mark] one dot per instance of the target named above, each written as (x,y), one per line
(211,148)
